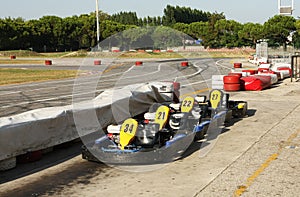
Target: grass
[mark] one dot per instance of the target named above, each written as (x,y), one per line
(221,53)
(17,76)
(20,53)
(23,61)
(149,55)
(33,54)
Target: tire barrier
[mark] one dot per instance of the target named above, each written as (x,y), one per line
(48,62)
(233,79)
(232,83)
(262,69)
(232,87)
(237,65)
(184,64)
(235,74)
(251,72)
(138,63)
(97,62)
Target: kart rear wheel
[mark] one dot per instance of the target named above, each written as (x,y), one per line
(201,135)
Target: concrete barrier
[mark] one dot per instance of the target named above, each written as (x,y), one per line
(43,128)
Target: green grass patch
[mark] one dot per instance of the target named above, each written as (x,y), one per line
(149,55)
(29,54)
(17,76)
(20,53)
(23,61)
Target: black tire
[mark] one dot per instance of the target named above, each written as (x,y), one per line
(199,135)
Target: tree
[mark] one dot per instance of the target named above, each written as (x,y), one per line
(186,15)
(198,30)
(296,38)
(165,37)
(278,28)
(228,33)
(138,37)
(126,18)
(250,33)
(182,27)
(211,38)
(169,16)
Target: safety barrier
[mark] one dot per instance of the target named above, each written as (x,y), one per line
(44,128)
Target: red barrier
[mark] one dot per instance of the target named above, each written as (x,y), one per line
(252,72)
(235,74)
(263,69)
(237,65)
(232,87)
(256,83)
(184,64)
(231,79)
(138,63)
(232,83)
(97,62)
(48,62)
(285,68)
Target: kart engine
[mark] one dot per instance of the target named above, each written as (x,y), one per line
(147,135)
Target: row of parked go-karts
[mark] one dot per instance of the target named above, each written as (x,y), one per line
(164,132)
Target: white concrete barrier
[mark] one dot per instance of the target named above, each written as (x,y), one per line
(43,128)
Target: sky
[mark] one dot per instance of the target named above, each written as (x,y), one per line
(255,11)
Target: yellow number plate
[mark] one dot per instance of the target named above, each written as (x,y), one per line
(128,131)
(187,104)
(161,116)
(215,98)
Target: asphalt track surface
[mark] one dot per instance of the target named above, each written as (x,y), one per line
(92,80)
(254,156)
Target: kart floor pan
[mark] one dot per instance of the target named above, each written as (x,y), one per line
(154,156)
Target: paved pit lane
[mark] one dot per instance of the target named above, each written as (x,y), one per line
(255,156)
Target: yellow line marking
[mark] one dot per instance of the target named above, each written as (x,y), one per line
(196,92)
(267,163)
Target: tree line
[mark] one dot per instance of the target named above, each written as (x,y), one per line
(213,30)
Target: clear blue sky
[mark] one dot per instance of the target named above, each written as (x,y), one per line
(239,10)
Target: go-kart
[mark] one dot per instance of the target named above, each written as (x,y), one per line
(164,132)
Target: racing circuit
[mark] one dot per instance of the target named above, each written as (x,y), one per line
(19,98)
(233,167)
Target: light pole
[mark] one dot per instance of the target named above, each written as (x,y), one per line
(98,28)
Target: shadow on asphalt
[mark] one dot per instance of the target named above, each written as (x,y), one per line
(59,154)
(85,169)
(195,146)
